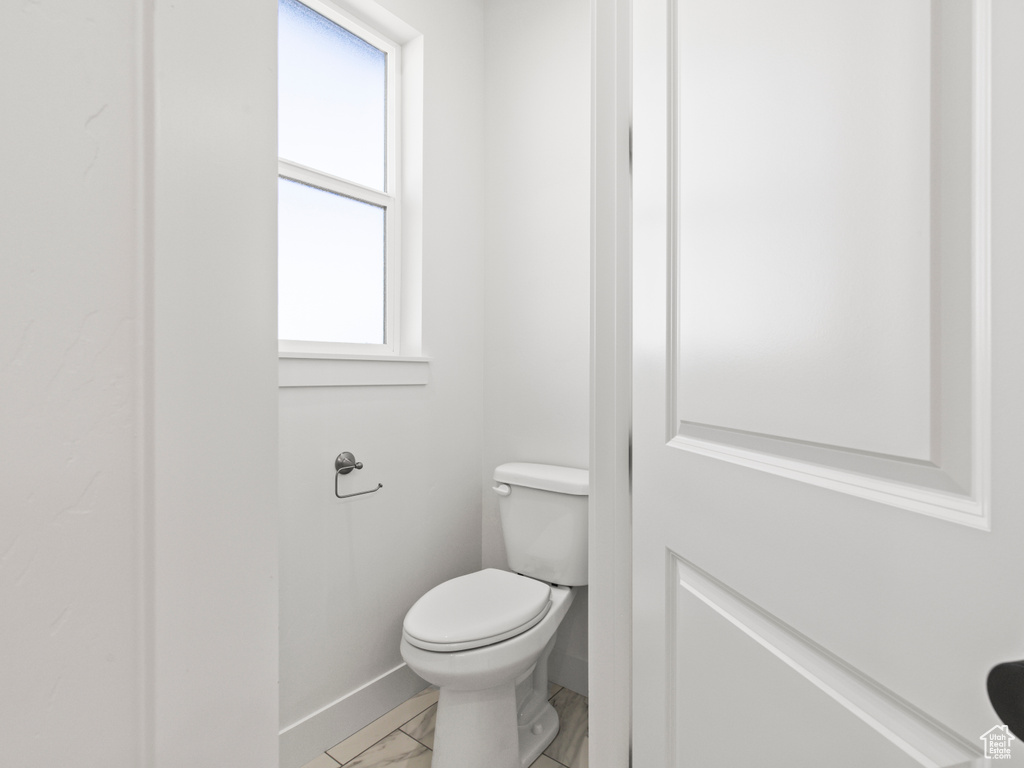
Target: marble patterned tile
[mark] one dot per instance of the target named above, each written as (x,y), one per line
(383,725)
(322,761)
(545,762)
(421,727)
(570,746)
(582,757)
(395,751)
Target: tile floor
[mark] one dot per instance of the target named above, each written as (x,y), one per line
(403,738)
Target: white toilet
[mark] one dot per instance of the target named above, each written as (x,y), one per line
(484,639)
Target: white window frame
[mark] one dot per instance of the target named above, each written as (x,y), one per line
(389,200)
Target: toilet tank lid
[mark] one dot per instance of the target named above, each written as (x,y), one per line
(545,477)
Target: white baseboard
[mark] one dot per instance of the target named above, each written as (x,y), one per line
(321,730)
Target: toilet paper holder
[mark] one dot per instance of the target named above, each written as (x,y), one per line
(344,464)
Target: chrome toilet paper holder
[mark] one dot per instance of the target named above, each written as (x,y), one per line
(344,464)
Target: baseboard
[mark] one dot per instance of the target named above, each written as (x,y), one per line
(569,672)
(319,731)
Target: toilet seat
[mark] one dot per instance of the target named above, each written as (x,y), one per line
(475,610)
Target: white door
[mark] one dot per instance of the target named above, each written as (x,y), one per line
(828,447)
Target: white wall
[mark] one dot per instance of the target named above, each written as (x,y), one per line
(79,564)
(506,320)
(137,424)
(137,366)
(69,388)
(537,311)
(350,570)
(212,446)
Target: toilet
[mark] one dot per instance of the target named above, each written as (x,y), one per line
(484,639)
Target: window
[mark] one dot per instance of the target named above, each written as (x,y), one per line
(339,239)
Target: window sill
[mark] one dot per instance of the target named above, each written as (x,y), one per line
(296,370)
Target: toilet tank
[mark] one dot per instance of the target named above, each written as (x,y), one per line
(543,511)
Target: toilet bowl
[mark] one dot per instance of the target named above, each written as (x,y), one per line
(480,719)
(484,638)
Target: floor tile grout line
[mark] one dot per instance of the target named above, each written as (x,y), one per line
(378,741)
(324,754)
(402,727)
(370,725)
(414,717)
(418,741)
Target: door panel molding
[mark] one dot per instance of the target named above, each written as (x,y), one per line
(954,485)
(921,737)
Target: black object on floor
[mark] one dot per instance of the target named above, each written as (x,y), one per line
(1006,692)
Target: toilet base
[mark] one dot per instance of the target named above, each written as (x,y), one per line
(534,737)
(476,728)
(538,721)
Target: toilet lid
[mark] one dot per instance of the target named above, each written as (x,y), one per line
(475,610)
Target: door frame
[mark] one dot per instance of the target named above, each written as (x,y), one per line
(610,599)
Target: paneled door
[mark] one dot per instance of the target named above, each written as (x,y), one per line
(828,429)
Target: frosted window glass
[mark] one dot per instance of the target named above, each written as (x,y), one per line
(330,266)
(332,89)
